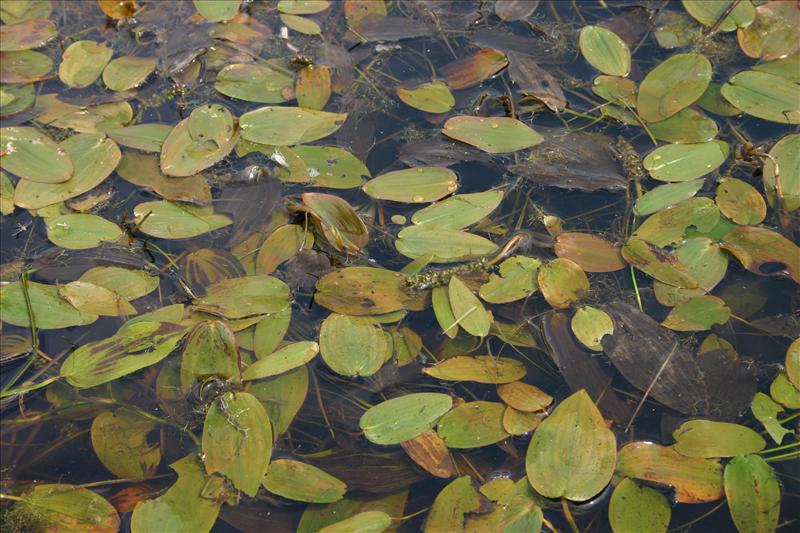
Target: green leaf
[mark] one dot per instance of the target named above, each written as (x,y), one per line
(467,308)
(473,424)
(683,162)
(210,350)
(237,440)
(444,245)
(337,220)
(685,126)
(119,439)
(96,300)
(49,309)
(480,369)
(302,482)
(244,297)
(217,10)
(128,72)
(459,210)
(765,96)
(353,346)
(665,196)
(184,506)
(403,418)
(658,263)
(136,345)
(302,25)
(83,62)
(67,508)
(431,97)
(282,396)
(169,220)
(24,66)
(287,358)
(270,330)
(33,156)
(129,284)
(145,137)
(634,507)
(766,410)
(590,325)
(708,12)
(496,135)
(93,156)
(784,166)
(366,522)
(753,494)
(740,202)
(562,282)
(707,438)
(26,35)
(325,166)
(516,280)
(198,142)
(784,392)
(263,83)
(303,7)
(673,85)
(605,51)
(697,314)
(451,506)
(704,259)
(572,453)
(319,517)
(440,301)
(362,291)
(669,226)
(77,231)
(285,126)
(413,185)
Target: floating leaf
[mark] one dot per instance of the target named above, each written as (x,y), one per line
(127,283)
(709,439)
(430,452)
(263,83)
(16,98)
(517,280)
(183,507)
(695,480)
(440,301)
(524,397)
(367,522)
(635,507)
(6,194)
(244,297)
(413,185)
(765,410)
(302,7)
(793,363)
(753,494)
(302,482)
(480,369)
(144,137)
(704,259)
(237,440)
(201,140)
(32,155)
(80,231)
(683,162)
(709,13)
(285,126)
(658,263)
(143,170)
(217,10)
(620,91)
(134,346)
(572,453)
(673,85)
(282,396)
(353,346)
(83,62)
(26,35)
(756,247)
(287,358)
(459,210)
(685,126)
(168,220)
(25,66)
(471,70)
(468,310)
(665,196)
(362,291)
(325,166)
(95,300)
(562,282)
(61,507)
(773,33)
(495,135)
(786,67)
(697,314)
(403,418)
(443,245)
(740,201)
(337,219)
(590,325)
(511,10)
(765,96)
(605,51)
(128,72)
(209,351)
(451,506)
(519,422)
(119,439)
(94,157)
(303,25)
(431,97)
(313,87)
(590,252)
(118,9)
(783,168)
(281,245)
(784,392)
(49,309)
(668,227)
(713,102)
(473,424)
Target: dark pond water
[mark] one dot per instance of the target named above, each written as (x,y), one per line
(626,260)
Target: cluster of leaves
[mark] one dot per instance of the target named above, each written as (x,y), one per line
(231,368)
